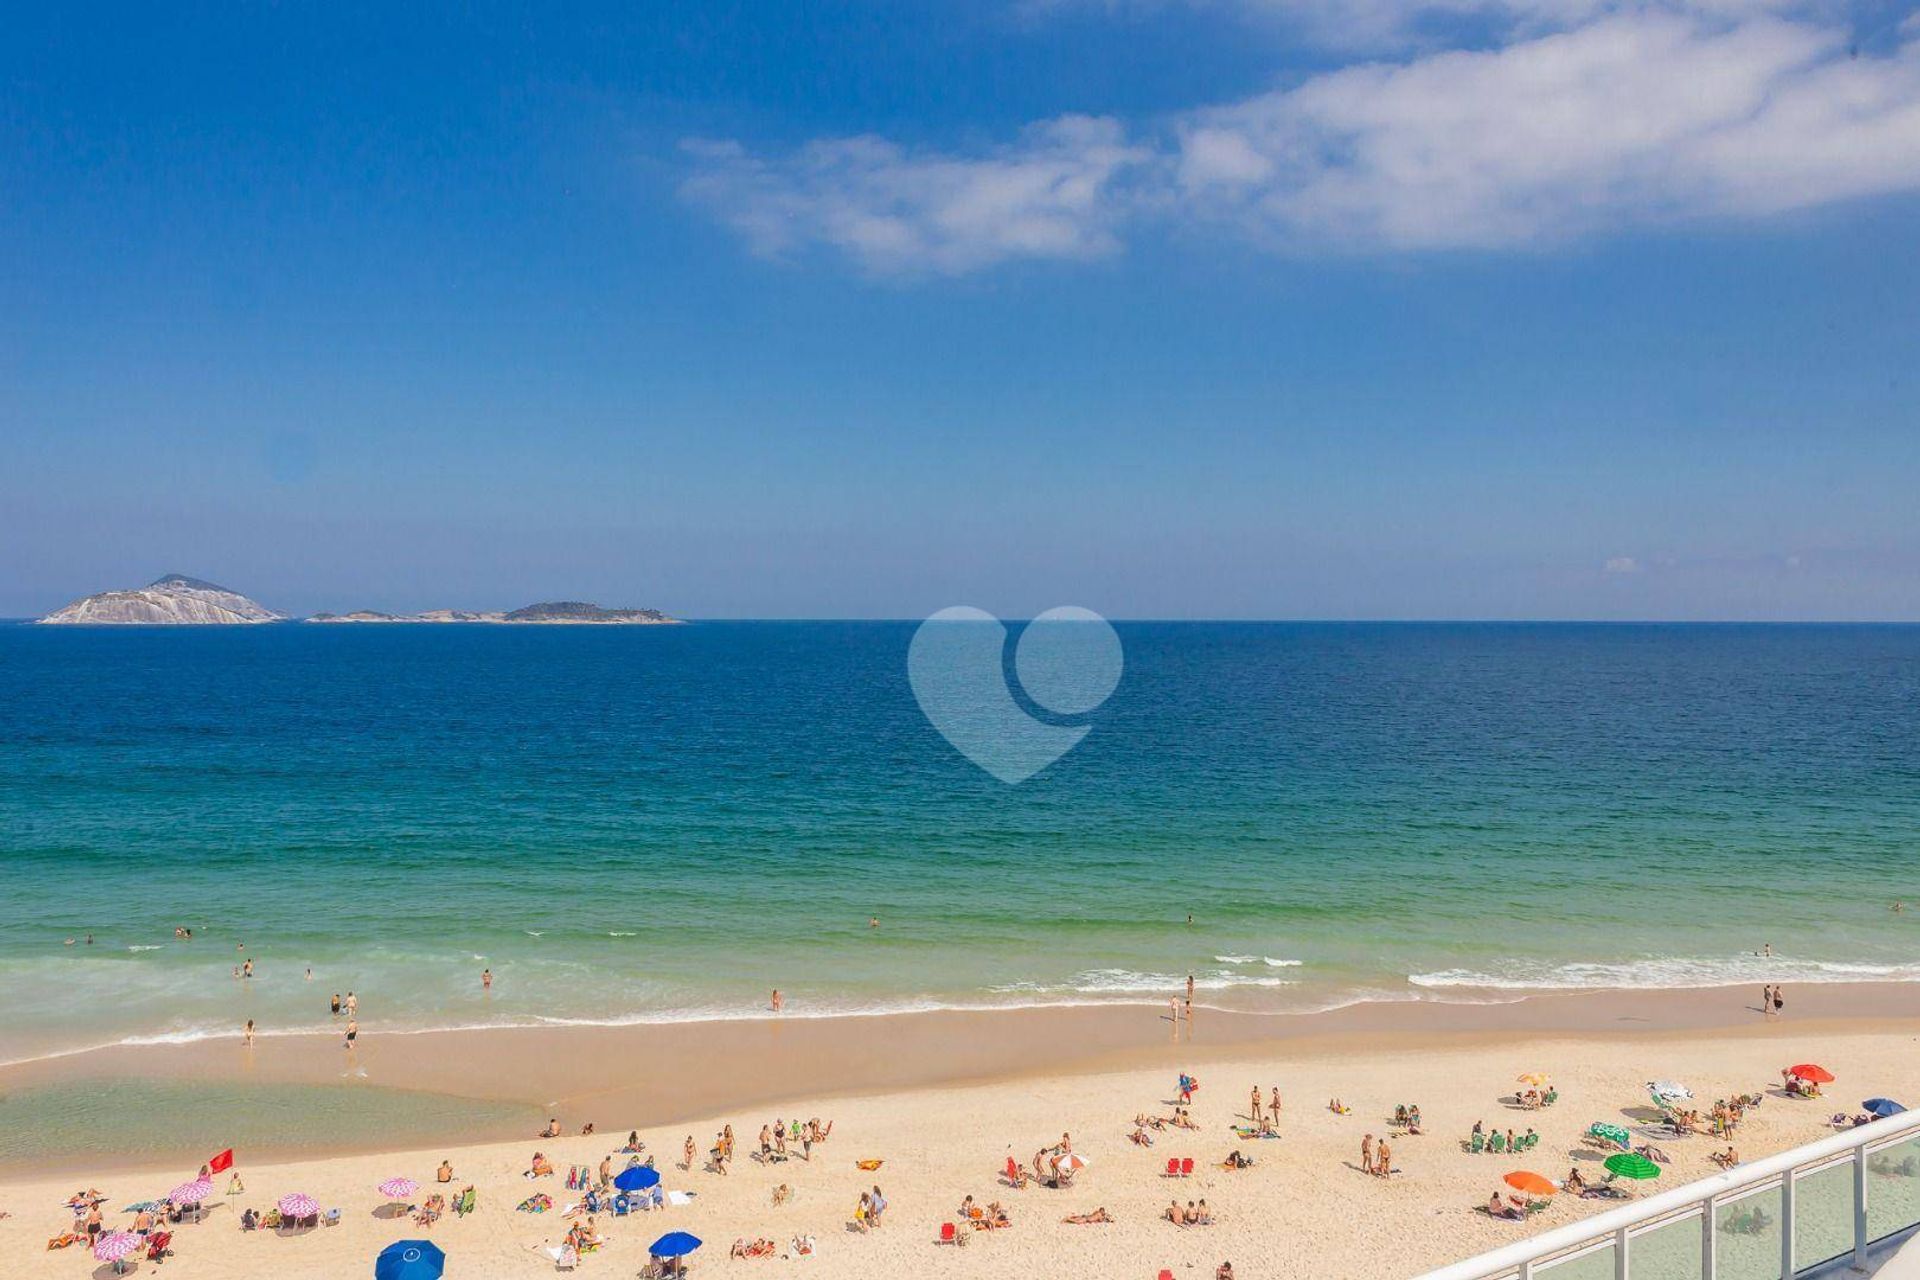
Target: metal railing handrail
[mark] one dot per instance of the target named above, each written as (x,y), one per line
(1519,1258)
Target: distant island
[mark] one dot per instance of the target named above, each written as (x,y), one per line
(177,600)
(553,611)
(172,600)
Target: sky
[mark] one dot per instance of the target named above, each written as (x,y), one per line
(1166,308)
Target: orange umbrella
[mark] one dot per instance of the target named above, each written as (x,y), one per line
(1812,1071)
(1531,1184)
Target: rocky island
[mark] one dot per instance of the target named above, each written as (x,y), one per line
(177,600)
(568,612)
(172,600)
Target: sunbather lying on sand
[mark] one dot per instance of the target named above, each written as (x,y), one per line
(1140,1137)
(1237,1160)
(1086,1219)
(762,1248)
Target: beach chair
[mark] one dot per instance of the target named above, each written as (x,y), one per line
(1186,1167)
(1173,1166)
(1477,1143)
(1497,1144)
(1164,1274)
(157,1243)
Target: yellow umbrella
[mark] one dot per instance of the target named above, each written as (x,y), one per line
(1534,1078)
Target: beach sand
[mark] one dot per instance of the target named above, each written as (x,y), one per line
(945,1099)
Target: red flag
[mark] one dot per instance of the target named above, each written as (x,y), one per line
(222,1162)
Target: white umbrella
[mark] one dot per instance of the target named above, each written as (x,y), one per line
(1669,1089)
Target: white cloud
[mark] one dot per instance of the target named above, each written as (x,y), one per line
(1640,116)
(1628,120)
(1047,196)
(1621,564)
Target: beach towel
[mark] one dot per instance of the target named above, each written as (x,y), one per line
(536,1204)
(868,1165)
(680,1197)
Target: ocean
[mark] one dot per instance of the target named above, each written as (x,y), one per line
(664,823)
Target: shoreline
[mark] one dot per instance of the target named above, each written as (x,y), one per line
(571,1071)
(945,1100)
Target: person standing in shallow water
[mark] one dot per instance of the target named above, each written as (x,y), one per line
(486,979)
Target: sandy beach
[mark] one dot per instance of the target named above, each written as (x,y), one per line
(944,1100)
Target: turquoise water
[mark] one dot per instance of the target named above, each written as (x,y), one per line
(632,824)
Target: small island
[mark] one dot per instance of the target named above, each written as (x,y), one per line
(552,612)
(177,600)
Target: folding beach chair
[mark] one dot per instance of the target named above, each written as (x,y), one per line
(1173,1166)
(1186,1167)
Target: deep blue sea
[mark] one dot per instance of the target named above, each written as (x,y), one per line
(630,824)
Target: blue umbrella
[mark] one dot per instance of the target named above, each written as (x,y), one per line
(410,1260)
(674,1244)
(1881,1108)
(638,1178)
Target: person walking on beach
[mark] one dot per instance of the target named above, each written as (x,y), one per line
(687,1154)
(353,1032)
(1766,1000)
(1366,1154)
(1779,1000)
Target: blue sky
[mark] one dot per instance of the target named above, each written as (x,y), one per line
(1169,308)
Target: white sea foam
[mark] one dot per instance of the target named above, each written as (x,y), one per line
(616,933)
(1269,961)
(1662,972)
(148,947)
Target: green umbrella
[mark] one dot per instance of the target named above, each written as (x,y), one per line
(1610,1133)
(1629,1165)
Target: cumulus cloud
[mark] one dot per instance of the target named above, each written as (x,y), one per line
(1621,564)
(1047,195)
(1640,115)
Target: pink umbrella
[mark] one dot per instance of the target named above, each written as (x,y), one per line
(398,1188)
(299,1205)
(191,1192)
(115,1245)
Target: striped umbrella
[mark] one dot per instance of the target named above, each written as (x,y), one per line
(191,1192)
(299,1205)
(1630,1165)
(398,1188)
(115,1245)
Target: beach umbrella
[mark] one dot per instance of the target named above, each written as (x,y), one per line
(1610,1133)
(1668,1089)
(191,1192)
(410,1260)
(1538,1079)
(674,1244)
(142,1206)
(299,1205)
(1812,1071)
(1881,1108)
(638,1178)
(1629,1165)
(1531,1184)
(398,1188)
(115,1245)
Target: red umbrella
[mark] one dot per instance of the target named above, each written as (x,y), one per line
(1812,1071)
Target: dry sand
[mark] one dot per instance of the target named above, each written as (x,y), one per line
(945,1099)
